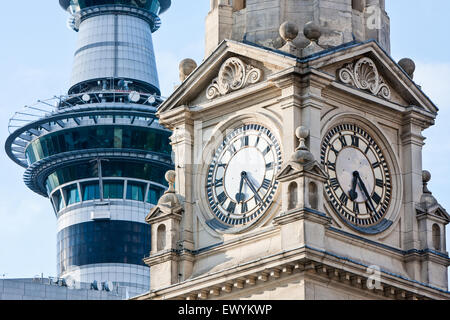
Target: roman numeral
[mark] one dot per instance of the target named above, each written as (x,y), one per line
(355,141)
(344,199)
(369,209)
(266,184)
(375,165)
(356,207)
(334,183)
(244,207)
(332,148)
(232,149)
(376,198)
(380,183)
(266,151)
(222,198)
(218,183)
(231,207)
(343,141)
(244,141)
(269,166)
(331,166)
(257,141)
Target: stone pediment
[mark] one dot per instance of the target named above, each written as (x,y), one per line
(232,67)
(366,68)
(292,169)
(361,69)
(169,205)
(436,211)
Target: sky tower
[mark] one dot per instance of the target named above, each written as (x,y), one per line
(99,153)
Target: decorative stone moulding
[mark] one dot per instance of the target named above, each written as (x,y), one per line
(363,74)
(234,74)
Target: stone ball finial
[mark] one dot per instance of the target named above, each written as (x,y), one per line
(427,198)
(312,31)
(187,66)
(302,133)
(288,31)
(408,65)
(302,154)
(170,178)
(426,176)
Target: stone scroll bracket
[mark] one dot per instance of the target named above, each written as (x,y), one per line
(363,74)
(234,75)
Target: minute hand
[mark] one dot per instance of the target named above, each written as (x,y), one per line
(252,187)
(363,187)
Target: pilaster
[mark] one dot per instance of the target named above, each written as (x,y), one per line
(313,84)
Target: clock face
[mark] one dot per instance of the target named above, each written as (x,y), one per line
(359,185)
(241,177)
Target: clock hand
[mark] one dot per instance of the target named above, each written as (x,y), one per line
(352,193)
(241,197)
(252,187)
(366,193)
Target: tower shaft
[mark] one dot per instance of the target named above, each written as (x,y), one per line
(256,21)
(114,43)
(99,154)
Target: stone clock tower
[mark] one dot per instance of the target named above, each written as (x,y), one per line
(298,162)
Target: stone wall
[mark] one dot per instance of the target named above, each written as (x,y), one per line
(258,21)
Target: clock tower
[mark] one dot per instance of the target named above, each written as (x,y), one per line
(298,162)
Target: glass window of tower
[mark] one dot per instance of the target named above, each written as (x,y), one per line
(113,189)
(135,191)
(90,191)
(107,137)
(154,193)
(72,195)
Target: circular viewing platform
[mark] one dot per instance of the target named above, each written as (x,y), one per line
(154,6)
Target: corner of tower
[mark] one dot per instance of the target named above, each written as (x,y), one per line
(340,21)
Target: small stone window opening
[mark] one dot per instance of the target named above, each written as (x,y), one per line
(313,196)
(292,195)
(161,237)
(436,233)
(358,5)
(238,4)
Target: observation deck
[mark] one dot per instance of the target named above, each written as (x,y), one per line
(154,6)
(99,153)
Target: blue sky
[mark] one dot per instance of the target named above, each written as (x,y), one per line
(36,60)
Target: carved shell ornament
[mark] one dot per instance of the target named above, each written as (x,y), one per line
(234,74)
(364,75)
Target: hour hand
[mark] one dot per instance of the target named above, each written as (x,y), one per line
(352,193)
(240,197)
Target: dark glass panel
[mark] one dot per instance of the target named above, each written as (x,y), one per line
(113,189)
(97,242)
(72,195)
(154,193)
(135,191)
(152,6)
(90,191)
(58,201)
(99,137)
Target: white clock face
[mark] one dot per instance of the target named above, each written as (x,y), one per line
(241,177)
(359,187)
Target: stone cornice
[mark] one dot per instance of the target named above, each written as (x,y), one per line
(302,214)
(161,258)
(172,118)
(300,262)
